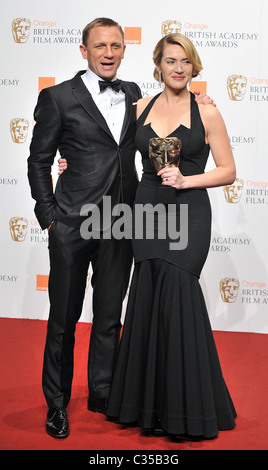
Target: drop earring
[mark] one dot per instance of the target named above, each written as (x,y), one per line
(160,79)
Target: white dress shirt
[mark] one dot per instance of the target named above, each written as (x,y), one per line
(110,103)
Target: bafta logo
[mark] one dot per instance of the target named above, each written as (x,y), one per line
(164,152)
(21,30)
(19,130)
(236,86)
(233,192)
(18,228)
(170,27)
(229,289)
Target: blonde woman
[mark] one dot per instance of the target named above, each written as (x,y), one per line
(167,376)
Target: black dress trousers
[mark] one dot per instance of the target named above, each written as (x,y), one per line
(70,256)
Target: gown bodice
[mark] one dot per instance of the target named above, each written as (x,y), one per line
(194,152)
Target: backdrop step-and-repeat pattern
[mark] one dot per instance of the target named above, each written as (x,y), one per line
(40,47)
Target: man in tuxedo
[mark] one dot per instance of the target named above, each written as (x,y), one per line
(95,128)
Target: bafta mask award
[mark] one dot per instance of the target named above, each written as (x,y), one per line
(164,152)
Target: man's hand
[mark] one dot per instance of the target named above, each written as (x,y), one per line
(202,98)
(62,164)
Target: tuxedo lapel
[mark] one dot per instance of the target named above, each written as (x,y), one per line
(84,97)
(82,94)
(128,113)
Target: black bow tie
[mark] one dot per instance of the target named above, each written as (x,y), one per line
(116,85)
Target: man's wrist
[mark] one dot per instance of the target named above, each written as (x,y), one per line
(50,225)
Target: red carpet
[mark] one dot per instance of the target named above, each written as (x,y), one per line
(244,358)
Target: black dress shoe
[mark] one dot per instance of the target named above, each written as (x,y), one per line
(158,431)
(57,423)
(97,405)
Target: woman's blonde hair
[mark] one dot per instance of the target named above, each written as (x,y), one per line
(180,40)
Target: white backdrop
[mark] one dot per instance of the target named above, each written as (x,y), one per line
(41,47)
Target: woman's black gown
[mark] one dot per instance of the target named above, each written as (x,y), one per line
(167,369)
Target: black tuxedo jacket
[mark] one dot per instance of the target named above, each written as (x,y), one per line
(68,120)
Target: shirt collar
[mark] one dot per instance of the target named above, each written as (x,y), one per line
(93,80)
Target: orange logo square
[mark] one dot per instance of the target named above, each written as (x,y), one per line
(198,86)
(45,82)
(132,35)
(41,282)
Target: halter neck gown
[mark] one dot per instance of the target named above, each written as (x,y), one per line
(167,370)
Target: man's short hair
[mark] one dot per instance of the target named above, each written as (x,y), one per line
(99,22)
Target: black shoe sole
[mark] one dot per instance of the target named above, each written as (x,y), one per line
(57,436)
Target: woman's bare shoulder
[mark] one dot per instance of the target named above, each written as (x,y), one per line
(209,111)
